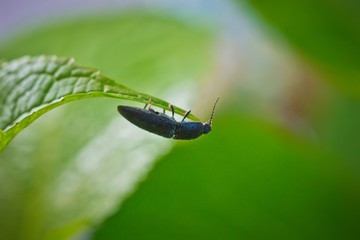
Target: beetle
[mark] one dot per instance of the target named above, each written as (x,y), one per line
(163,125)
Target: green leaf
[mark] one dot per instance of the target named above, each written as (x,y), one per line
(32,86)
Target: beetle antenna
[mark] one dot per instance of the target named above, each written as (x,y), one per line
(212,114)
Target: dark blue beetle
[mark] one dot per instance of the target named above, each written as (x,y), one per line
(163,125)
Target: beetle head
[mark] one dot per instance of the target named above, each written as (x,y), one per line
(207,128)
(207,125)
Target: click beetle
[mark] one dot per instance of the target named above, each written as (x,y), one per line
(163,125)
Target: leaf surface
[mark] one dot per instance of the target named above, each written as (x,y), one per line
(32,86)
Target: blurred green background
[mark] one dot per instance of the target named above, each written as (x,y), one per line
(282,161)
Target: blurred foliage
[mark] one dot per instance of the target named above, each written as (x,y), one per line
(327,35)
(139,49)
(245,180)
(325,32)
(71,167)
(339,128)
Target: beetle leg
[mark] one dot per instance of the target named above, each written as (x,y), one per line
(149,108)
(145,106)
(172,110)
(163,110)
(186,114)
(149,103)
